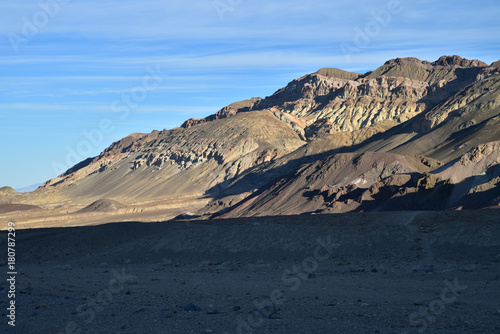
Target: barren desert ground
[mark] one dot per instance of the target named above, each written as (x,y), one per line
(403,272)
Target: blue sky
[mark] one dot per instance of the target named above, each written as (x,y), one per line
(68,65)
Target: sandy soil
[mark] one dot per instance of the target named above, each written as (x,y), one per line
(71,215)
(410,272)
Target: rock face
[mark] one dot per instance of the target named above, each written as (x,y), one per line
(468,118)
(398,90)
(399,137)
(482,160)
(319,128)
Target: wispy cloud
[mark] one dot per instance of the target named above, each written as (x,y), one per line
(91,52)
(12,109)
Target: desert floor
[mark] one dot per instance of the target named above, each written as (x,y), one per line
(402,272)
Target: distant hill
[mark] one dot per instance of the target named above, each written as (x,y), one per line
(29,188)
(7,191)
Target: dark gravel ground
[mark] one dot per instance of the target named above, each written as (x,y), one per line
(353,273)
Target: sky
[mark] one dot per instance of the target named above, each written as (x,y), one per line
(77,75)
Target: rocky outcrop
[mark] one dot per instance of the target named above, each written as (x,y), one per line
(228,111)
(129,144)
(319,128)
(481,162)
(482,96)
(398,90)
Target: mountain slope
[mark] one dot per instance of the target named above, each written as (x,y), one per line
(332,184)
(449,132)
(468,118)
(373,181)
(182,161)
(331,141)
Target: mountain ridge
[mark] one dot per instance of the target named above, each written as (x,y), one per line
(422,115)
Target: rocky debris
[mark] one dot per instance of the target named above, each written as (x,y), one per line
(479,192)
(493,69)
(115,152)
(350,105)
(458,240)
(225,150)
(466,119)
(295,123)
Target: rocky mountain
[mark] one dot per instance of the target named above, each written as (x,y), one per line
(405,136)
(396,91)
(182,161)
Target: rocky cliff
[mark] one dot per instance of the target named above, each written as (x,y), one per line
(398,90)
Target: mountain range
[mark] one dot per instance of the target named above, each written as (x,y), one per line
(410,135)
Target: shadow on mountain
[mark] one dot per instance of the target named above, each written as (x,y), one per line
(423,192)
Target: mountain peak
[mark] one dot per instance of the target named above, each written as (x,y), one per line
(406,61)
(7,190)
(457,61)
(337,73)
(446,61)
